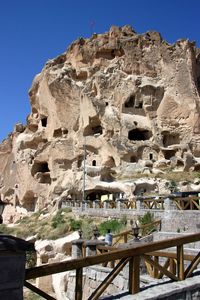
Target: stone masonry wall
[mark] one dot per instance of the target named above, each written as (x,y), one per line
(172,220)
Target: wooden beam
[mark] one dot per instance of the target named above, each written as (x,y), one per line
(101,288)
(166,265)
(38,291)
(180,262)
(188,257)
(131,251)
(162,269)
(192,266)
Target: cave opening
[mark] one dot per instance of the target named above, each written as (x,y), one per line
(170,139)
(57,133)
(133,159)
(139,135)
(94,127)
(29,201)
(40,170)
(150,156)
(44,121)
(169,153)
(130,102)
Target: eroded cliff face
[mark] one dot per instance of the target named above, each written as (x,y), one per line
(133,100)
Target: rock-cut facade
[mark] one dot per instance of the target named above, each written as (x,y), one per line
(115,105)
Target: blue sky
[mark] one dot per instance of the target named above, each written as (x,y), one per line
(31,32)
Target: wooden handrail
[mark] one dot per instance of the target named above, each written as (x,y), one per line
(131,251)
(132,255)
(124,234)
(158,222)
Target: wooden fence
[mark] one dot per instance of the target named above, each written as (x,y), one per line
(181,203)
(124,236)
(131,255)
(187,203)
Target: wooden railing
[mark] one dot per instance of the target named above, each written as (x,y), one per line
(170,262)
(124,236)
(153,203)
(181,203)
(187,203)
(132,255)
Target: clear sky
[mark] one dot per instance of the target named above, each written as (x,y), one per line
(33,31)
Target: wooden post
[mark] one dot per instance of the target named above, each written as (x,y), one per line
(180,262)
(134,275)
(79,283)
(155,270)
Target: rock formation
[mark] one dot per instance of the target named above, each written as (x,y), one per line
(118,104)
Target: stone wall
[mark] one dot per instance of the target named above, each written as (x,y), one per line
(172,220)
(94,277)
(151,289)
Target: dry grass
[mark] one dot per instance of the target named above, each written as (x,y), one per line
(49,227)
(175,176)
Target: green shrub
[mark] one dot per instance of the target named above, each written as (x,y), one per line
(87,227)
(75,224)
(58,219)
(114,226)
(146,219)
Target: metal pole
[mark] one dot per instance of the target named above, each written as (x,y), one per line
(84,169)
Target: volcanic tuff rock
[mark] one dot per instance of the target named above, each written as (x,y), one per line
(132,100)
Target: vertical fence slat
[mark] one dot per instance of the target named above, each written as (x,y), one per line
(180,262)
(79,284)
(155,270)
